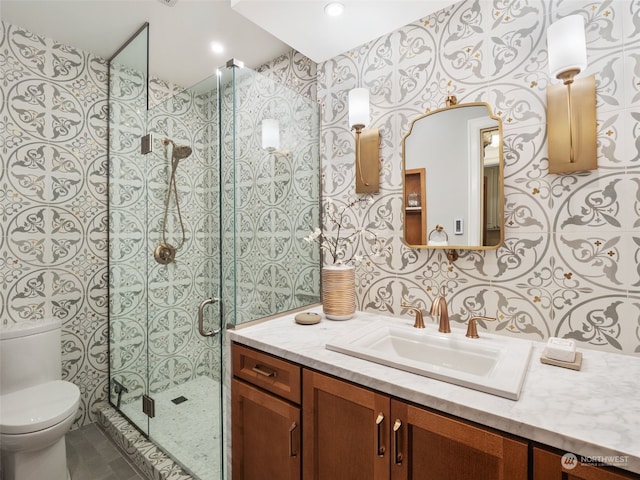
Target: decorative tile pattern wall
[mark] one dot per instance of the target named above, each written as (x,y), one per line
(128,236)
(569,263)
(153,306)
(275,194)
(53,200)
(294,71)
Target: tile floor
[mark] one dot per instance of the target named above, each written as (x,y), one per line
(91,455)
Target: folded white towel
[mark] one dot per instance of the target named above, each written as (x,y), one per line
(437,243)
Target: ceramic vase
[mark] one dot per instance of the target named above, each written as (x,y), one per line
(338,291)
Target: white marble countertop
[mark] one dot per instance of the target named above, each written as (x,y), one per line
(594,412)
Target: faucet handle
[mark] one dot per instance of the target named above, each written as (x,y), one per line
(419,321)
(472,329)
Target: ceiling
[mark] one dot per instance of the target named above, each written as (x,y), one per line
(254,31)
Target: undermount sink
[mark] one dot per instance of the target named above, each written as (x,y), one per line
(492,363)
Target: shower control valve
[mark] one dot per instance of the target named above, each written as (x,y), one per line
(165,254)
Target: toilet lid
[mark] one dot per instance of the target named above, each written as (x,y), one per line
(38,407)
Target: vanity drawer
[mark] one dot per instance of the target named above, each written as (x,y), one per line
(267,372)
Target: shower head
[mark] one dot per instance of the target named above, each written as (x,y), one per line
(179,152)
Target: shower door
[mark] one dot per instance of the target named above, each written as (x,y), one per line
(165,367)
(183,320)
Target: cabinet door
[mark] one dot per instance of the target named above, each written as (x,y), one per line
(427,445)
(266,435)
(346,429)
(548,466)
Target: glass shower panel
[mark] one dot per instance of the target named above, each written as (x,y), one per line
(185,366)
(274,193)
(128,74)
(244,210)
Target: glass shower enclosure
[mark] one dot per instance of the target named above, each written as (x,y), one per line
(187,170)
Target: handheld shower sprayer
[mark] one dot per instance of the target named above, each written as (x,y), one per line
(165,253)
(178,152)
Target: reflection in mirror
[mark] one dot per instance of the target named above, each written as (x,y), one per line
(453,179)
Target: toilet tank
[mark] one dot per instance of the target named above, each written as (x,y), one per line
(30,354)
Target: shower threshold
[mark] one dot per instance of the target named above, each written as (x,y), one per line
(188,431)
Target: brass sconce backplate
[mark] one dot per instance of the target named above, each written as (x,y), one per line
(578,133)
(368,161)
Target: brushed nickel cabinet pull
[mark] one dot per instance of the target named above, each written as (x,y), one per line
(294,425)
(259,370)
(379,420)
(396,438)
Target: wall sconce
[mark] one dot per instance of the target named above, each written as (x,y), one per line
(367,143)
(571,107)
(270,134)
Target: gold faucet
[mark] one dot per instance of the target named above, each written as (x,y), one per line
(472,329)
(439,308)
(419,321)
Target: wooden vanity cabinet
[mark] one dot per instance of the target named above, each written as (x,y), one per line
(431,446)
(265,397)
(292,423)
(547,465)
(355,433)
(341,438)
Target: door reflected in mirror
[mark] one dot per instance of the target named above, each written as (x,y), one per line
(453,179)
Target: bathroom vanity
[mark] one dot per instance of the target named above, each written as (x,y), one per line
(302,411)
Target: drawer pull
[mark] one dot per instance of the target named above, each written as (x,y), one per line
(381,448)
(294,425)
(396,440)
(259,369)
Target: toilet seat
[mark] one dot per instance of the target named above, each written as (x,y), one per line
(38,407)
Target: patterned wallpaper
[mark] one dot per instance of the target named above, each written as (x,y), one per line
(53,200)
(569,263)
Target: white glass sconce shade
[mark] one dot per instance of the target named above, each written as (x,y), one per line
(334,9)
(359,107)
(270,134)
(567,45)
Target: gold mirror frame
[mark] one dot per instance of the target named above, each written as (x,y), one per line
(415,181)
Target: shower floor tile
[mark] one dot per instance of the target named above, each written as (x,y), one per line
(189,430)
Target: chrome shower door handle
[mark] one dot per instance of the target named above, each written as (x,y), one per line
(204,303)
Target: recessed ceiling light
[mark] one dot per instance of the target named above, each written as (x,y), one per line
(334,9)
(217,47)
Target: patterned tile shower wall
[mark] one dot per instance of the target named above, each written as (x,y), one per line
(153,306)
(569,263)
(128,232)
(294,71)
(178,353)
(276,193)
(53,200)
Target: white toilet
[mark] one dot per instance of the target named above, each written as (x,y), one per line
(36,407)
